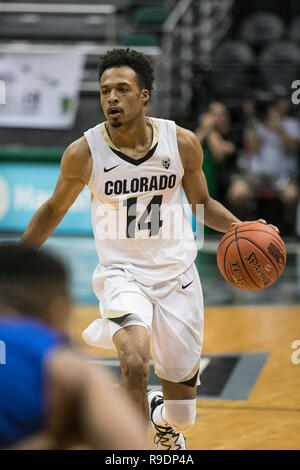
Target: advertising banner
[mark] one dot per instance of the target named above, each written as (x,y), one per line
(25,187)
(42,90)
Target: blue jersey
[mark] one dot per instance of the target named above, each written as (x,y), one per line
(25,346)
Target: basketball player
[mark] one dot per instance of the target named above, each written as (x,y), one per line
(49,397)
(148,287)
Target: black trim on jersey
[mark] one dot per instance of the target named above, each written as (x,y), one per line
(192,381)
(132,160)
(119,320)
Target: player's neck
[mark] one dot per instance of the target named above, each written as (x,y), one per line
(132,135)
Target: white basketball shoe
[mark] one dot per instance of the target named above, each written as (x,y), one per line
(166,438)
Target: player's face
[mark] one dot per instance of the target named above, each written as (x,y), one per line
(121,97)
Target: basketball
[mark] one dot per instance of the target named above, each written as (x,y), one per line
(251,256)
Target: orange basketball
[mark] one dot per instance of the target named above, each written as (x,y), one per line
(251,256)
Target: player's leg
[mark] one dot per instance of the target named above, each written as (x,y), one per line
(180,404)
(177,408)
(125,326)
(177,333)
(172,413)
(133,347)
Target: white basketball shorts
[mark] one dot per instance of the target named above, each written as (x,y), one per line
(171,311)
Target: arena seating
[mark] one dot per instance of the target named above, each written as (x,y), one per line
(139,39)
(273,51)
(54,27)
(250,60)
(230,67)
(150,19)
(261,28)
(279,65)
(294,30)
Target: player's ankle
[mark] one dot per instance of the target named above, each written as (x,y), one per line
(159,416)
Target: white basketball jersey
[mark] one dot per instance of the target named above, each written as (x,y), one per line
(138,215)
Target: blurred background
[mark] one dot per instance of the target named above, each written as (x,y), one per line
(225,69)
(228,70)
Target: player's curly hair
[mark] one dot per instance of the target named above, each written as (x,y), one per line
(136,60)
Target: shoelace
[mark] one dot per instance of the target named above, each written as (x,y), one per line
(162,438)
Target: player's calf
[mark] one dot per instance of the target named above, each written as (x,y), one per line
(134,377)
(133,347)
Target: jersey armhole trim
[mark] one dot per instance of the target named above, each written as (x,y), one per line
(90,140)
(174,130)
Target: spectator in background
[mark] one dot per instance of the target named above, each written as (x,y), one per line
(216,134)
(271,162)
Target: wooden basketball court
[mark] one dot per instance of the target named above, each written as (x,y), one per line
(270,417)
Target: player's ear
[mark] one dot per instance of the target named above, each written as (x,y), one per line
(145,95)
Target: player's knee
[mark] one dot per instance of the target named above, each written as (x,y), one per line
(136,370)
(181,413)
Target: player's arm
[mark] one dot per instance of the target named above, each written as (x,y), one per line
(75,171)
(84,406)
(216,215)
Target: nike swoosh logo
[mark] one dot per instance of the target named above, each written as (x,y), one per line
(187,285)
(109,169)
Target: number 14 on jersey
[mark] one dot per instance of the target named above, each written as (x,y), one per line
(151,212)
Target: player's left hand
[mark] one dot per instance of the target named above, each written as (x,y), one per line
(261,221)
